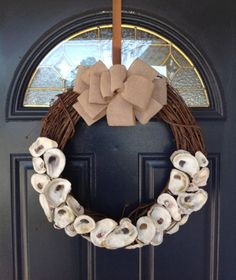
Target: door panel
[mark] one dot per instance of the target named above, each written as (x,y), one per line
(39,248)
(111,167)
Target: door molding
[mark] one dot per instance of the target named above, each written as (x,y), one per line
(68,27)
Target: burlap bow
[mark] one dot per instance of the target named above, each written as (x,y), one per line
(119,94)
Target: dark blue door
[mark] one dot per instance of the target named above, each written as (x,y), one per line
(112,167)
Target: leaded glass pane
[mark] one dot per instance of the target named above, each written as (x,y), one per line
(156,55)
(41,98)
(57,71)
(186,78)
(46,77)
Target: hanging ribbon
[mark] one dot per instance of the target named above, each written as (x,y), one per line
(116,31)
(122,95)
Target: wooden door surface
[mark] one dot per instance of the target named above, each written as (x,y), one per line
(111,167)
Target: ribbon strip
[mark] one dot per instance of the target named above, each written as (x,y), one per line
(122,95)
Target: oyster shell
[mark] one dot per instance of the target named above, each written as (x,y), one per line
(158,238)
(125,219)
(48,211)
(56,191)
(202,160)
(63,216)
(39,182)
(192,188)
(179,181)
(38,165)
(173,228)
(201,177)
(136,245)
(102,229)
(169,202)
(70,230)
(146,229)
(186,163)
(175,153)
(122,236)
(74,205)
(84,224)
(41,145)
(191,202)
(183,220)
(160,216)
(86,236)
(55,161)
(56,227)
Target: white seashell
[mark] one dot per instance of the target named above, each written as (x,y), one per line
(175,153)
(179,181)
(183,220)
(41,145)
(136,245)
(84,224)
(39,182)
(173,228)
(56,191)
(74,205)
(125,219)
(38,165)
(146,229)
(48,211)
(102,229)
(70,230)
(158,238)
(160,216)
(169,202)
(55,161)
(192,188)
(86,236)
(56,227)
(63,216)
(191,202)
(186,163)
(200,178)
(202,160)
(121,236)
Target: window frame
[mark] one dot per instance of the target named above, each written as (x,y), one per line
(14,106)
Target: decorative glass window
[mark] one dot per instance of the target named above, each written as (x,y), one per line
(57,71)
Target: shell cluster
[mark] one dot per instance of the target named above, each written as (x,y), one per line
(184,194)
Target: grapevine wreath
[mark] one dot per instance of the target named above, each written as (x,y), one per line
(123,96)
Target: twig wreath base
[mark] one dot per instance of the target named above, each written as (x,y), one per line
(145,225)
(59,124)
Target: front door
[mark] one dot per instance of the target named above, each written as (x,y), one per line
(113,167)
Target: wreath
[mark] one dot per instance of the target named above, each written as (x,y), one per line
(123,96)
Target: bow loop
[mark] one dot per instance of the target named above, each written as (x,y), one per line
(118,76)
(138,91)
(122,95)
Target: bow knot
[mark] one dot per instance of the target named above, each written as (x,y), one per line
(122,95)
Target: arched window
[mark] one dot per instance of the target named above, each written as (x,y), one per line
(56,72)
